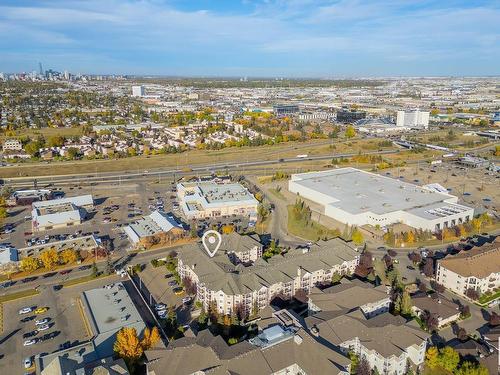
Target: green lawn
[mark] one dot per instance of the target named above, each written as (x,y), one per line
(435,371)
(487,298)
(84,279)
(18,295)
(311,231)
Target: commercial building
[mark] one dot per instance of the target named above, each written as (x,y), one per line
(108,310)
(229,286)
(59,213)
(27,197)
(348,116)
(8,256)
(199,200)
(285,109)
(356,197)
(477,269)
(389,343)
(155,223)
(413,119)
(282,347)
(85,243)
(138,91)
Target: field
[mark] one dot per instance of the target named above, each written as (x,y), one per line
(313,231)
(189,158)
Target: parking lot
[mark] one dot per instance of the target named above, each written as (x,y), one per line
(65,320)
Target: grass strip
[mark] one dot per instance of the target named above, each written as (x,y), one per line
(18,295)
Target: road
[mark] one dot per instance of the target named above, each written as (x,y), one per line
(119,177)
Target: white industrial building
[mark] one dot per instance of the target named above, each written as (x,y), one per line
(413,119)
(210,199)
(138,91)
(357,197)
(58,213)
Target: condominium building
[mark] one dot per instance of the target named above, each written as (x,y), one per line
(478,269)
(413,119)
(210,199)
(387,342)
(229,286)
(138,91)
(12,145)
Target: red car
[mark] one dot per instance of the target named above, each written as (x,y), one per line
(64,272)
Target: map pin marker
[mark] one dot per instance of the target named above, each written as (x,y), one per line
(211,242)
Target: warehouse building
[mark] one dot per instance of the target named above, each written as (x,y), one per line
(199,200)
(357,197)
(59,213)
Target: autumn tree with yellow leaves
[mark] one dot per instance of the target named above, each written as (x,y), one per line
(30,264)
(49,258)
(68,256)
(128,346)
(150,339)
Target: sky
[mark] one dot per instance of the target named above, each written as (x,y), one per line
(261,38)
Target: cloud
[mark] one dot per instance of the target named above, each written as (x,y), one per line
(158,36)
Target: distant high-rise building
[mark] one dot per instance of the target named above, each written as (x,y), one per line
(413,119)
(40,68)
(138,91)
(346,115)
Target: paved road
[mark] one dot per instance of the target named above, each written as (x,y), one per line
(157,173)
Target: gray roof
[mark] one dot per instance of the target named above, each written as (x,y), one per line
(154,223)
(356,191)
(108,310)
(81,200)
(348,295)
(212,355)
(218,273)
(443,307)
(386,334)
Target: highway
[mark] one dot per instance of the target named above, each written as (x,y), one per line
(107,177)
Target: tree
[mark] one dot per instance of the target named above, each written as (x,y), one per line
(470,368)
(30,264)
(363,367)
(476,225)
(494,319)
(336,277)
(109,265)
(464,311)
(472,294)
(189,285)
(350,131)
(354,362)
(415,257)
(3,213)
(49,258)
(127,345)
(72,152)
(227,229)
(357,236)
(150,339)
(55,141)
(68,256)
(432,357)
(448,358)
(439,288)
(428,267)
(95,271)
(410,237)
(430,320)
(462,334)
(406,303)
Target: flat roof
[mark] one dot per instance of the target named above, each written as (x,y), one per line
(356,191)
(156,222)
(80,200)
(211,194)
(111,308)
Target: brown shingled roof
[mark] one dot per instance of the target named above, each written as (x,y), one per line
(479,262)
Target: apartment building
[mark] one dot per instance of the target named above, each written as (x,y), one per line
(387,342)
(12,145)
(228,285)
(349,295)
(478,269)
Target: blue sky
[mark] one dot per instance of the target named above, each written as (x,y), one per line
(291,38)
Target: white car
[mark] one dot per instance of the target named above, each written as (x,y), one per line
(27,362)
(42,327)
(186,300)
(160,307)
(30,342)
(41,321)
(25,310)
(162,314)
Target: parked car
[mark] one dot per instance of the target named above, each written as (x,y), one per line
(172,283)
(57,287)
(25,310)
(178,291)
(27,335)
(30,342)
(43,327)
(186,300)
(43,321)
(160,307)
(27,362)
(41,310)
